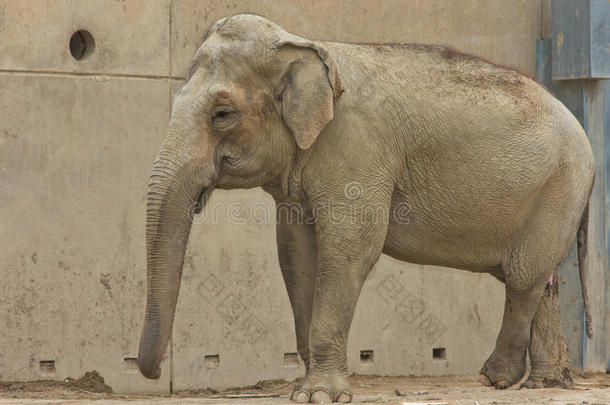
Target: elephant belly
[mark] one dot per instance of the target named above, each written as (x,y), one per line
(451,237)
(418,245)
(464,207)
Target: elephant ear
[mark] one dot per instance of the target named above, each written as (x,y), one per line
(309,91)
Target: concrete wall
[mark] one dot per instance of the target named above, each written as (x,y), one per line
(77,140)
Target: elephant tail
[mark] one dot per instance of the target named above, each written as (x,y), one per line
(581,241)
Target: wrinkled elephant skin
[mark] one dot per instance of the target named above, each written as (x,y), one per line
(423,153)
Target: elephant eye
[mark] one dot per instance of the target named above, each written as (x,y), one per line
(224,117)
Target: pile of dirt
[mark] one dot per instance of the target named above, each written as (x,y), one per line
(92,381)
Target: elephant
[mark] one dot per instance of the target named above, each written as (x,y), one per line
(495,172)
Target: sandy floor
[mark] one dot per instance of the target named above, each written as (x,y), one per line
(367,390)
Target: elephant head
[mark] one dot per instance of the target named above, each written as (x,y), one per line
(255,95)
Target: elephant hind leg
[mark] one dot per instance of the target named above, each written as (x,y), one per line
(536,253)
(527,269)
(507,364)
(549,356)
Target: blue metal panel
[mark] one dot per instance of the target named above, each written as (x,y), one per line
(600,38)
(581,39)
(569,92)
(595,111)
(571,51)
(607,141)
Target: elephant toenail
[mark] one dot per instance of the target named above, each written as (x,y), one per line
(301,397)
(321,397)
(502,384)
(484,381)
(344,397)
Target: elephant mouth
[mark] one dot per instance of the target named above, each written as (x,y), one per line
(201,200)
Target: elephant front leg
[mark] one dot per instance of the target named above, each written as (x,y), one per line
(296,242)
(345,257)
(549,356)
(332,314)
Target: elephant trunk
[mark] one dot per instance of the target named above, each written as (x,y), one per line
(177,187)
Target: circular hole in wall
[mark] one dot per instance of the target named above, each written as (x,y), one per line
(82,44)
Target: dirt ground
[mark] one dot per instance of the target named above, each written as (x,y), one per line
(463,390)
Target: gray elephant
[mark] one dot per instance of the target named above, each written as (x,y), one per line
(496,171)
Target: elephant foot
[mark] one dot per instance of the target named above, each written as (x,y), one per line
(323,389)
(501,374)
(562,379)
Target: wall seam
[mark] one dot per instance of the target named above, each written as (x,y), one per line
(88,74)
(169,100)
(541,19)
